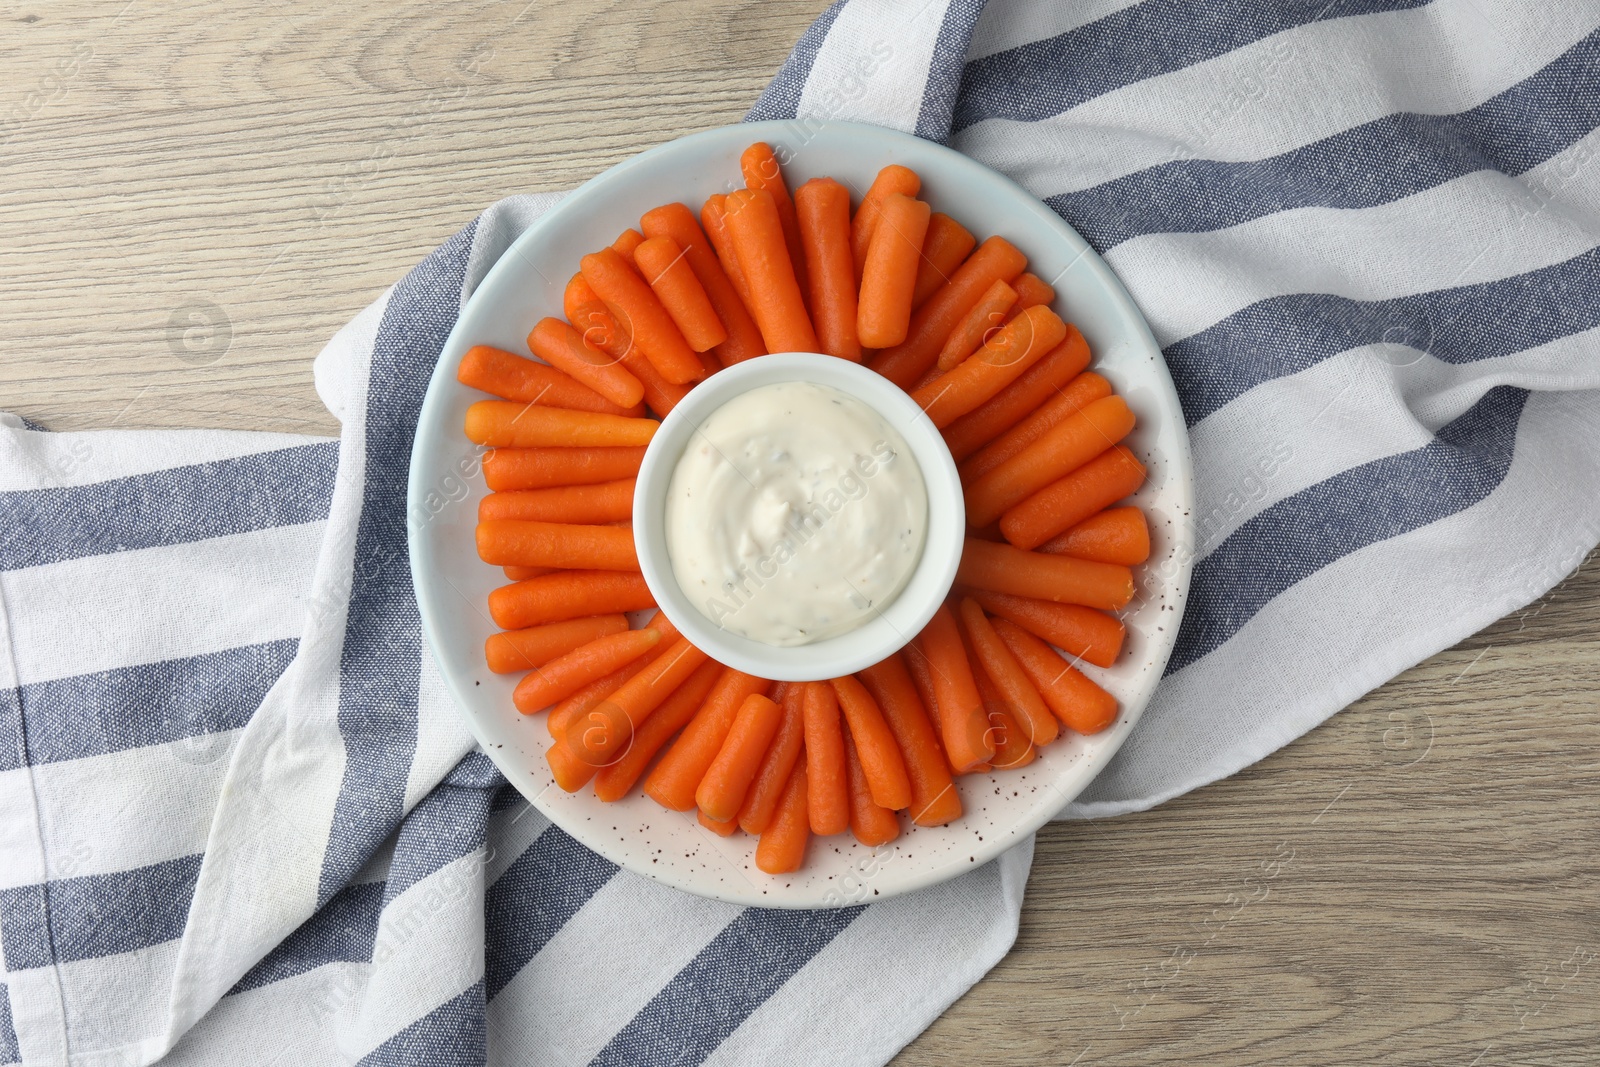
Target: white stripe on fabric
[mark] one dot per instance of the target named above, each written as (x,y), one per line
(817,1018)
(103,612)
(339,372)
(53,460)
(1476,228)
(138,983)
(873,65)
(442,734)
(600,970)
(1007,24)
(1286,91)
(287,1022)
(150,805)
(1364,637)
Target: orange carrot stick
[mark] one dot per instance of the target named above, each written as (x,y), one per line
(883,311)
(589,314)
(761,171)
(921,671)
(605,732)
(944,248)
(1037,385)
(505,423)
(538,468)
(870,822)
(891,179)
(627,242)
(714,219)
(1116,535)
(564,712)
(571,773)
(1012,749)
(513,378)
(722,791)
(561,346)
(823,207)
(1063,579)
(665,266)
(826,787)
(767,788)
(1092,487)
(523,650)
(1076,630)
(567,595)
(782,847)
(963,725)
(634,305)
(678,223)
(565,675)
(673,781)
(1077,701)
(1060,451)
(606,502)
(932,323)
(998,662)
(934,800)
(1082,391)
(978,325)
(1032,291)
(519,543)
(880,753)
(775,300)
(615,780)
(1004,357)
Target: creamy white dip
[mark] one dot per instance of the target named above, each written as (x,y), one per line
(795,514)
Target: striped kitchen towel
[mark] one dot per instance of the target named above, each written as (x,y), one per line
(240,822)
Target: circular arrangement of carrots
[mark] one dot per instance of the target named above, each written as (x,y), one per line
(972,336)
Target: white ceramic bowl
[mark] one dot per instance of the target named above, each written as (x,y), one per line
(452,584)
(878,637)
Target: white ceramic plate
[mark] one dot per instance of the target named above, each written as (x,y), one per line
(452,585)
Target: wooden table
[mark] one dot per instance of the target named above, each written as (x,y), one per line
(193,197)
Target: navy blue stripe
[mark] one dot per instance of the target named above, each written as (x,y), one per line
(1375,163)
(1299,536)
(96,915)
(731,977)
(381,660)
(450,822)
(781,99)
(341,931)
(1044,78)
(148,704)
(944,72)
(452,1035)
(534,898)
(168,507)
(1287,334)
(10,1050)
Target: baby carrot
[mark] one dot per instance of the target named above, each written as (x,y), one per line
(1059,451)
(883,311)
(775,300)
(633,304)
(561,346)
(505,423)
(962,725)
(558,544)
(567,595)
(589,314)
(1012,748)
(627,243)
(826,788)
(823,207)
(522,650)
(565,675)
(761,171)
(946,247)
(603,734)
(722,791)
(978,325)
(539,468)
(1004,357)
(891,179)
(673,781)
(518,574)
(1092,487)
(571,773)
(934,800)
(1032,291)
(606,502)
(1076,630)
(782,847)
(721,829)
(1077,701)
(665,267)
(564,712)
(511,377)
(921,671)
(880,753)
(615,780)
(870,822)
(1010,405)
(1082,391)
(677,222)
(767,787)
(714,219)
(932,323)
(1063,579)
(997,661)
(1116,535)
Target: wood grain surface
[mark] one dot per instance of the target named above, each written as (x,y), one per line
(194,196)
